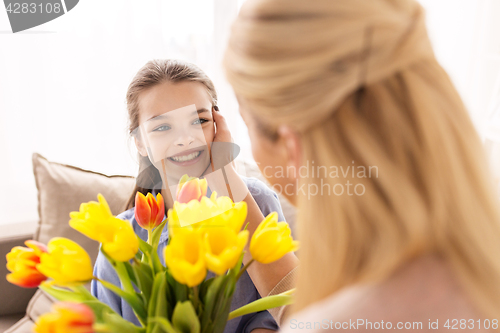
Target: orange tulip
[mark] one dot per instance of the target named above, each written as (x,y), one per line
(22,261)
(66,317)
(191,189)
(149,212)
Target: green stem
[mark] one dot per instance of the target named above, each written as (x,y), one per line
(150,237)
(244,269)
(83,291)
(261,304)
(131,298)
(102,328)
(124,277)
(142,322)
(195,297)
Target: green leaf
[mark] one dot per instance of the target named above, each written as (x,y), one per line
(119,324)
(157,265)
(181,291)
(262,304)
(144,277)
(161,301)
(151,256)
(185,319)
(81,295)
(62,294)
(158,304)
(154,294)
(212,300)
(97,306)
(163,323)
(131,273)
(139,255)
(131,298)
(144,247)
(99,309)
(157,233)
(204,288)
(223,306)
(121,271)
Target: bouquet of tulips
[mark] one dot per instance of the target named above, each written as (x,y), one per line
(204,234)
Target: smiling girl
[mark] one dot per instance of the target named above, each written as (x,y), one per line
(175,123)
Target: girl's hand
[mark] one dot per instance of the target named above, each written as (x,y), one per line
(222,133)
(222,153)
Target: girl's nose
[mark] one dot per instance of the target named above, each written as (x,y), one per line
(184,140)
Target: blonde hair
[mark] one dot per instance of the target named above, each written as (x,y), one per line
(359,81)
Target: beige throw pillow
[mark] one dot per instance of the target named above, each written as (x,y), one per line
(61,190)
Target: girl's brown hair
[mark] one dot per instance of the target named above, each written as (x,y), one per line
(153,73)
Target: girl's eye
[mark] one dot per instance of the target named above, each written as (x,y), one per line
(161,128)
(200,121)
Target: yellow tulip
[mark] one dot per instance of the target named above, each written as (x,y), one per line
(124,244)
(233,218)
(66,317)
(184,257)
(208,212)
(66,262)
(272,240)
(91,218)
(96,221)
(223,248)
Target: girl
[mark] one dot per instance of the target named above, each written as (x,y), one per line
(354,83)
(174,118)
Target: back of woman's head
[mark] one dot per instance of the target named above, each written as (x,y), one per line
(359,82)
(153,73)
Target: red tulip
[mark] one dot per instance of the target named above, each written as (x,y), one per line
(149,212)
(191,189)
(22,261)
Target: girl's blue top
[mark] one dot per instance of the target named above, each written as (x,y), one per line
(245,292)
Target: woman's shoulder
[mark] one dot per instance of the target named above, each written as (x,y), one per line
(420,292)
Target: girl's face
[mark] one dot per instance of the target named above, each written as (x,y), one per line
(176,127)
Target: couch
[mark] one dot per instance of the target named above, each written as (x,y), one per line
(61,189)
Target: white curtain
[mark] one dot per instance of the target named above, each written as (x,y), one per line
(466,39)
(63,84)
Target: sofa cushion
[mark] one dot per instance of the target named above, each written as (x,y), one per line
(24,325)
(61,190)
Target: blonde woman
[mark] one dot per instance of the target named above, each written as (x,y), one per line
(398,223)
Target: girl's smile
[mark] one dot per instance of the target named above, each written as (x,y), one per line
(188,157)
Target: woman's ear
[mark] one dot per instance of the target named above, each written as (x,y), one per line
(140,146)
(293,148)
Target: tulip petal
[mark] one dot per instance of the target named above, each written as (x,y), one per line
(161,210)
(142,210)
